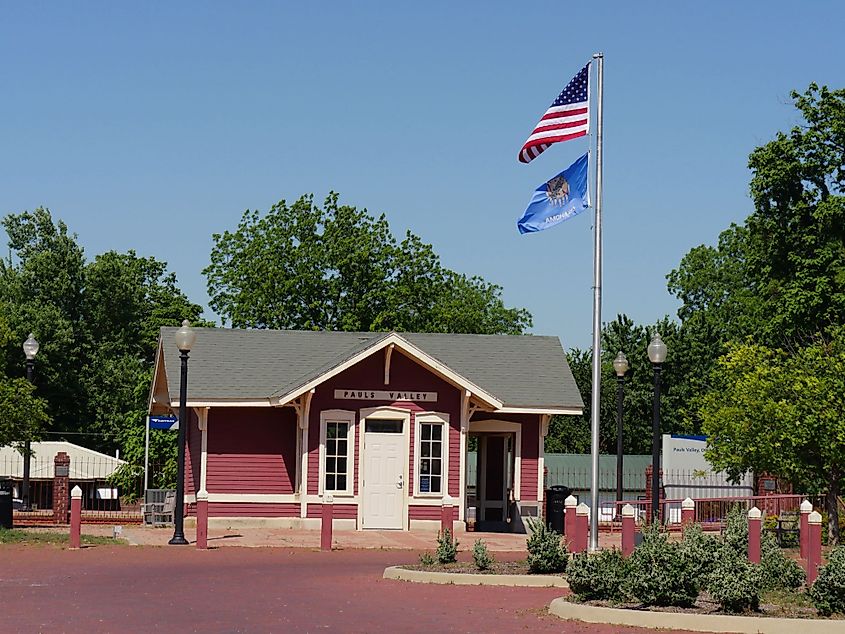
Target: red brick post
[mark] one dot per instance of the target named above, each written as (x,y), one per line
(803,528)
(687,512)
(582,528)
(202,520)
(755,524)
(629,530)
(814,546)
(326,526)
(660,493)
(61,484)
(446,516)
(75,517)
(569,529)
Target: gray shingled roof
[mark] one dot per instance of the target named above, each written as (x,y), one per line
(235,364)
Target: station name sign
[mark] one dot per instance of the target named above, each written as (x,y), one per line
(385,395)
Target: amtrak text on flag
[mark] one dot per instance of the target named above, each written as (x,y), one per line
(567,118)
(562,197)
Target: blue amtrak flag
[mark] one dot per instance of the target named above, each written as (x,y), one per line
(558,199)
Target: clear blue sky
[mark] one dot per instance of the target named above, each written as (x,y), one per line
(149,126)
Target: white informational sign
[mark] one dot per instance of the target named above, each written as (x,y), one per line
(386,395)
(686,472)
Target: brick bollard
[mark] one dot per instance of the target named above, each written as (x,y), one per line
(755,524)
(814,546)
(569,505)
(687,512)
(629,530)
(582,528)
(75,517)
(803,528)
(326,525)
(202,519)
(446,517)
(61,487)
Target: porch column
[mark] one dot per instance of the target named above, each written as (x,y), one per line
(541,458)
(462,492)
(304,412)
(202,494)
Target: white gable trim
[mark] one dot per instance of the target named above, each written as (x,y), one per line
(412,351)
(566,411)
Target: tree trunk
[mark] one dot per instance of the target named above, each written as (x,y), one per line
(833,510)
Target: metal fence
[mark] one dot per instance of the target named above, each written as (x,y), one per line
(110,491)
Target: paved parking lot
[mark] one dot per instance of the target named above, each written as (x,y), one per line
(140,589)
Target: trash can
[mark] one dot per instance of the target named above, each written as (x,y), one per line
(6,503)
(555,506)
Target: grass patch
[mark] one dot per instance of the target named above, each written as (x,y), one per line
(20,536)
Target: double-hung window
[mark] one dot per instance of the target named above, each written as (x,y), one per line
(336,435)
(432,454)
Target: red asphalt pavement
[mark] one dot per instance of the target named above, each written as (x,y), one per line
(141,589)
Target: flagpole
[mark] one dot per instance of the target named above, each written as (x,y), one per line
(595,407)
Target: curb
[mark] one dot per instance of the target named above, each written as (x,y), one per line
(469,579)
(692,622)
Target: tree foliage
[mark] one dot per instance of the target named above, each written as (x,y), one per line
(335,267)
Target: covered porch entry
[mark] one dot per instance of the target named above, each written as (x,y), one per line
(493,476)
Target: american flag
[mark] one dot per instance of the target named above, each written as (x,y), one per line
(567,118)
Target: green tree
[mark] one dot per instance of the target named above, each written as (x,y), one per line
(335,267)
(781,413)
(22,414)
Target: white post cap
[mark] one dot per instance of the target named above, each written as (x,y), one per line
(627,511)
(815,518)
(688,503)
(328,498)
(76,492)
(447,500)
(202,495)
(806,506)
(754,513)
(570,501)
(582,509)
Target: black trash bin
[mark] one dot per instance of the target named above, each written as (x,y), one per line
(6,503)
(555,506)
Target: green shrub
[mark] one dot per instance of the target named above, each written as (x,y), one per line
(828,591)
(546,551)
(735,534)
(600,576)
(427,559)
(447,547)
(734,582)
(481,556)
(699,550)
(658,573)
(777,571)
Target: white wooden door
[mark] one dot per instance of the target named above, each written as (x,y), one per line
(384,483)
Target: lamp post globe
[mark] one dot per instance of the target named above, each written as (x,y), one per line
(620,366)
(184,340)
(657,352)
(30,349)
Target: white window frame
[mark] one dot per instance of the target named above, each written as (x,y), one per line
(338,416)
(439,419)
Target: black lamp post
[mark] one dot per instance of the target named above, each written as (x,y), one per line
(184,338)
(657,355)
(620,365)
(30,349)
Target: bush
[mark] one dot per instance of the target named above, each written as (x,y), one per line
(734,582)
(481,556)
(659,574)
(447,547)
(427,559)
(546,551)
(777,571)
(828,591)
(735,535)
(598,577)
(699,550)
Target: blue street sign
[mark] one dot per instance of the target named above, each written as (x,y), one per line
(163,422)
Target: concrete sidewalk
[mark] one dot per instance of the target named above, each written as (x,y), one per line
(418,540)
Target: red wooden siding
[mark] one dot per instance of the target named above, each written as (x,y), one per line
(419,512)
(340,512)
(250,509)
(251,450)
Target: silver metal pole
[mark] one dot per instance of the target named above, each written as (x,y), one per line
(595,407)
(147,460)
